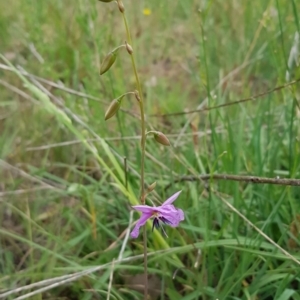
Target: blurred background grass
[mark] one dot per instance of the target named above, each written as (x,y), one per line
(64,206)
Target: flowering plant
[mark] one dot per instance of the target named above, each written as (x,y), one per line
(167,213)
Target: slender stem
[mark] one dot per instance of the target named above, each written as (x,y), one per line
(145,263)
(287,254)
(143,150)
(254,97)
(244,178)
(152,131)
(125,172)
(142,111)
(119,47)
(125,94)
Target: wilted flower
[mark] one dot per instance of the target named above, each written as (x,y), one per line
(167,213)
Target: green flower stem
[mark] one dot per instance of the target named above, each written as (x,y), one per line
(143,148)
(151,131)
(119,47)
(127,93)
(142,111)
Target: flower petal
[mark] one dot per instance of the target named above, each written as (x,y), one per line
(166,209)
(176,219)
(142,221)
(171,199)
(172,214)
(144,208)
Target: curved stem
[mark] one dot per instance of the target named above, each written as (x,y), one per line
(143,150)
(152,131)
(127,93)
(119,47)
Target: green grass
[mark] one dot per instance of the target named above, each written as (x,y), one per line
(64,205)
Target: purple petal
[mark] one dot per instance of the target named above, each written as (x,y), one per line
(166,209)
(142,221)
(172,214)
(171,199)
(175,219)
(144,208)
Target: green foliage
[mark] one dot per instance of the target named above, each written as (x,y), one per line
(64,203)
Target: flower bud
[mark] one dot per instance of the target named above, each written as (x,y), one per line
(128,48)
(113,108)
(137,96)
(108,61)
(161,138)
(121,6)
(151,187)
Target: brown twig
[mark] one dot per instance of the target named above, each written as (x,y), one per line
(248,179)
(278,88)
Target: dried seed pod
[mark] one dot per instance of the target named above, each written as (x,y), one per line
(128,48)
(108,61)
(113,108)
(161,138)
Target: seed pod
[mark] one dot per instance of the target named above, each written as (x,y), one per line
(106,1)
(113,108)
(108,61)
(161,138)
(128,48)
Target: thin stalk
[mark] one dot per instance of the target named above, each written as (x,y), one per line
(244,178)
(29,231)
(119,47)
(145,263)
(143,149)
(127,93)
(142,111)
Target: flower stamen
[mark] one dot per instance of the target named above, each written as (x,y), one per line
(163,230)
(164,220)
(157,224)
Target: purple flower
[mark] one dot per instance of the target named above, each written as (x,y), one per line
(167,213)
